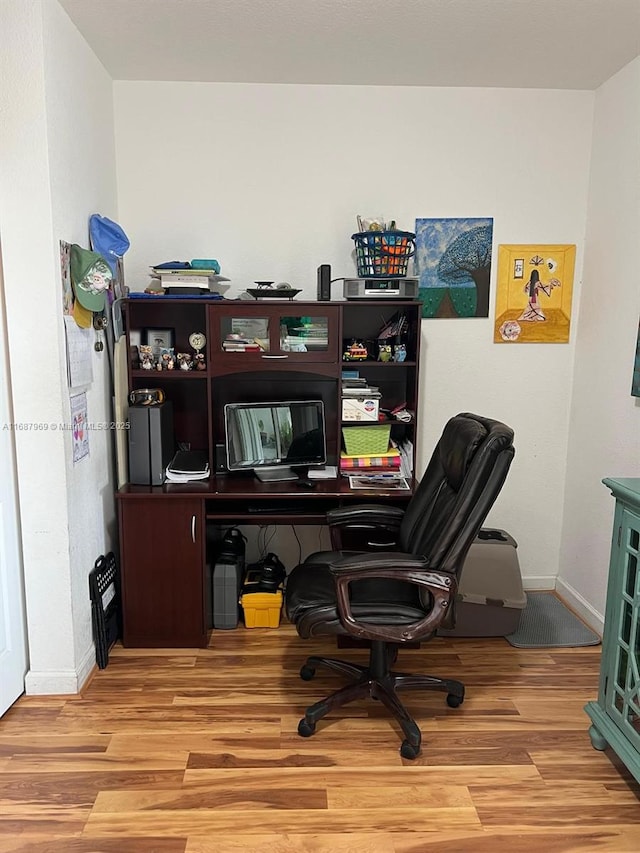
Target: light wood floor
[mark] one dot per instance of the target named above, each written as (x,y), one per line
(197,752)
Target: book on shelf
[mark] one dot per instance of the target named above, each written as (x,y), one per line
(361,391)
(241,347)
(390,459)
(185,279)
(406,457)
(368,472)
(240,344)
(186,274)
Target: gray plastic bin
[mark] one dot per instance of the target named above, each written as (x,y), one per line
(227,580)
(490,597)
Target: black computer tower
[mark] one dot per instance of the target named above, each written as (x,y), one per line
(151,443)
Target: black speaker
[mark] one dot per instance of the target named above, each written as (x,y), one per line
(221,458)
(324,283)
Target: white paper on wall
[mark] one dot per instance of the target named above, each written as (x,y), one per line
(79,348)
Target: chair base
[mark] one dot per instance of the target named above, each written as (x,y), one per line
(379,682)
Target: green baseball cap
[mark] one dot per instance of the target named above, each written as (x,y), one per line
(90,277)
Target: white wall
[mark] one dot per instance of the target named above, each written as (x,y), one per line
(82,174)
(56,168)
(604,425)
(268,179)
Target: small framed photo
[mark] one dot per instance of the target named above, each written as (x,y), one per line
(158,339)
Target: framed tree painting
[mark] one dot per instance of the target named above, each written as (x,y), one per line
(533,294)
(453,262)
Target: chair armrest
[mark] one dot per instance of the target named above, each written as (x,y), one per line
(368,565)
(393,565)
(369,523)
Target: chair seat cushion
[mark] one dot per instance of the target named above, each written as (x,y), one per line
(311,599)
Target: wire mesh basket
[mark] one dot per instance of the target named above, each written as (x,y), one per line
(383,254)
(366,440)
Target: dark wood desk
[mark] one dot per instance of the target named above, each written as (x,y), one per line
(303,349)
(163,544)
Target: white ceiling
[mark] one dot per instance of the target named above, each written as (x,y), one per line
(557,44)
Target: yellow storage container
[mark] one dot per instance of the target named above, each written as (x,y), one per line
(262,609)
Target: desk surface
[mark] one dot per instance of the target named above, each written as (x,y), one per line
(249,488)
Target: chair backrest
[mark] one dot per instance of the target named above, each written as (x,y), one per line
(460,484)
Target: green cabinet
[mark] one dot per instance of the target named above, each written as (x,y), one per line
(616,715)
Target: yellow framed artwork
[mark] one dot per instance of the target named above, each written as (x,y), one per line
(533,294)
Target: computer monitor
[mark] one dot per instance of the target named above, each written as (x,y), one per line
(274,438)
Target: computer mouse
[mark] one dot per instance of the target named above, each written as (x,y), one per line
(305,484)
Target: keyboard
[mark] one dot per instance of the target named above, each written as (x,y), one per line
(276,508)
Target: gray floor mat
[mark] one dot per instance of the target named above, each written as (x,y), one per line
(546,622)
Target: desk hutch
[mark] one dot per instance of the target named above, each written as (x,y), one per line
(163,528)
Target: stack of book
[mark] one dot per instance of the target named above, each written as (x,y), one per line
(240,343)
(188,281)
(380,463)
(188,465)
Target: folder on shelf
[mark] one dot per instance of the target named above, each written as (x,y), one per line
(188,465)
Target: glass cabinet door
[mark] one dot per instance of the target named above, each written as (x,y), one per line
(304,334)
(247,336)
(244,334)
(623,681)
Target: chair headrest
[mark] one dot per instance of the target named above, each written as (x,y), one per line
(458,445)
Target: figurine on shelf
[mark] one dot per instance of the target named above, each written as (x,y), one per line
(384,352)
(167,358)
(199,362)
(185,362)
(399,352)
(197,341)
(356,351)
(146,358)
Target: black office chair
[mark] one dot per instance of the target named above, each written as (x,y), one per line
(405,592)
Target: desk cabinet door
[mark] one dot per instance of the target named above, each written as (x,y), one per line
(163,572)
(263,337)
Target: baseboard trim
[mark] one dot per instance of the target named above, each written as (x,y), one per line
(580,606)
(539,582)
(60,682)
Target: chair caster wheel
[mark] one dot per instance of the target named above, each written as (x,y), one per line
(307,673)
(306,729)
(407,750)
(454,701)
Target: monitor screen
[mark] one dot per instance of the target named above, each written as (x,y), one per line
(273,438)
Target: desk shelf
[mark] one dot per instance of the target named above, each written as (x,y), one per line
(169,375)
(150,516)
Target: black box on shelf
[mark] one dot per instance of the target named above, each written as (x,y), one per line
(151,443)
